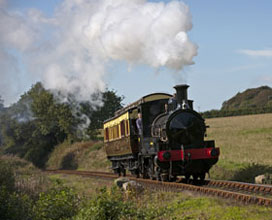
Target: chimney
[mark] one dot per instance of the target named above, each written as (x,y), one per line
(182,95)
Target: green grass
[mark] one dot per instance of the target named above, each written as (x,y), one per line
(245,144)
(256,131)
(243,139)
(82,185)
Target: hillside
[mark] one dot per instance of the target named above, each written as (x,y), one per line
(251,98)
(79,156)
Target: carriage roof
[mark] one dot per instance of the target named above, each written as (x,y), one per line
(144,99)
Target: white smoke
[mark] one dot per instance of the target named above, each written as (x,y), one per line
(70,50)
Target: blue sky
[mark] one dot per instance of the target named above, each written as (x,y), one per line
(221,29)
(235,53)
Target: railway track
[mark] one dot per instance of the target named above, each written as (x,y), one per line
(243,192)
(248,188)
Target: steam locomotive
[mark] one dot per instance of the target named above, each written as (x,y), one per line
(168,142)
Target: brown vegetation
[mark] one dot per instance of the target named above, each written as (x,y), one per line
(82,156)
(258,97)
(27,178)
(249,102)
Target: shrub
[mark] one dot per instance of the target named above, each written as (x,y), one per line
(7,178)
(14,206)
(58,203)
(108,205)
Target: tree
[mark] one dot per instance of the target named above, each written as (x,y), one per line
(1,104)
(52,116)
(1,110)
(97,114)
(33,126)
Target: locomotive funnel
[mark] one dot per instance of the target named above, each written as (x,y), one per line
(181,93)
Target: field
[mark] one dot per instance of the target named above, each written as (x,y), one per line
(245,143)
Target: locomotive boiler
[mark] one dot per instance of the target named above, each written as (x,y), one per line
(161,137)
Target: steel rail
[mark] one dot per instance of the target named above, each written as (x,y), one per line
(241,186)
(241,197)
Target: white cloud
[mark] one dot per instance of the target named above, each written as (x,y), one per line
(257,53)
(69,51)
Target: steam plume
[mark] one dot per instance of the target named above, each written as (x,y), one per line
(70,50)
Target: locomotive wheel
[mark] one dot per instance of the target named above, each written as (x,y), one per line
(124,172)
(173,179)
(158,177)
(202,177)
(151,170)
(158,174)
(145,176)
(135,173)
(145,173)
(195,178)
(152,177)
(164,177)
(143,168)
(118,171)
(187,178)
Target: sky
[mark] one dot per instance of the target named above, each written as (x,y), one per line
(234,53)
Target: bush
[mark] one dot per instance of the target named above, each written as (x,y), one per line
(7,178)
(58,203)
(14,206)
(109,205)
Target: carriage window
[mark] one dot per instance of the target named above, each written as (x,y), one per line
(106,134)
(114,132)
(111,133)
(127,128)
(109,129)
(122,128)
(117,131)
